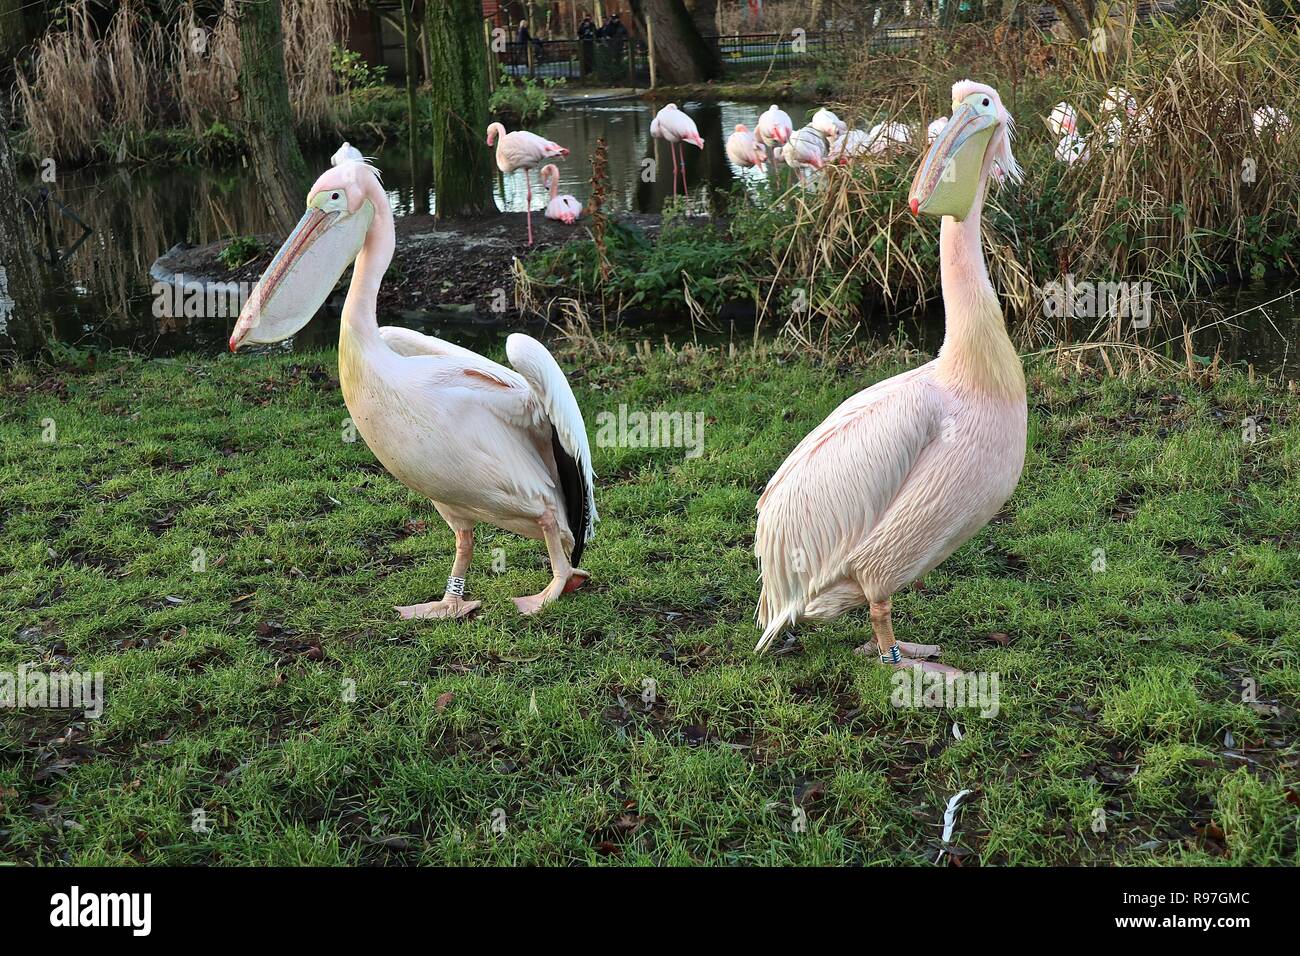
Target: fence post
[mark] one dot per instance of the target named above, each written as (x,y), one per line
(650,49)
(493,67)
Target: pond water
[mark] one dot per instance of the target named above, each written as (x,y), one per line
(104,299)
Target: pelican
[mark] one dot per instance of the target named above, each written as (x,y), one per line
(904,472)
(483,442)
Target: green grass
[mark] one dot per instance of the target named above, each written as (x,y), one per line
(1117,686)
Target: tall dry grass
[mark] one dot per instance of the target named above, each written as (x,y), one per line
(1169,201)
(136,75)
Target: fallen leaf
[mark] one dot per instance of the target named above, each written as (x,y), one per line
(443,700)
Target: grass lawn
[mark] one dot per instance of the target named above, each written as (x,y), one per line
(200,532)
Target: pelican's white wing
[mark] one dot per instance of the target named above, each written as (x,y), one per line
(410,342)
(551,390)
(825,499)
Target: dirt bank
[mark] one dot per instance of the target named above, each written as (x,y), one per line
(454,263)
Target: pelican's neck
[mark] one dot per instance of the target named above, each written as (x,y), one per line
(361,305)
(977,353)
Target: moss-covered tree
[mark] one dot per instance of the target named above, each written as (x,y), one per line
(22,328)
(462,172)
(13,33)
(274,156)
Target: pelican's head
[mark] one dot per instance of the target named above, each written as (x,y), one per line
(340,208)
(974,144)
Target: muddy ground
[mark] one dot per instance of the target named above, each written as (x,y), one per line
(454,263)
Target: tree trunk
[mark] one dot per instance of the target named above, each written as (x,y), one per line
(462,175)
(274,156)
(1077,15)
(681,54)
(13,34)
(410,47)
(22,329)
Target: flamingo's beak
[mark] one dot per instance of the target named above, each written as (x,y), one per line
(303,273)
(948,179)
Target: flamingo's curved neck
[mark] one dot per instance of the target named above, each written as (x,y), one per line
(360,325)
(977,353)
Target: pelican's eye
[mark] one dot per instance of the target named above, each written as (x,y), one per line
(336,195)
(986,101)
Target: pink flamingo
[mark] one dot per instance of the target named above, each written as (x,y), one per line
(774,127)
(675,127)
(565,208)
(744,149)
(904,472)
(807,148)
(522,150)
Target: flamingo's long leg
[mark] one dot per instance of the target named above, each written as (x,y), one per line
(528,181)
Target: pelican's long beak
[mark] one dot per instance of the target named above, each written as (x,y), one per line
(302,274)
(949,177)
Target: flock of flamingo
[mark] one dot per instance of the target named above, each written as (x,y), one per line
(878,494)
(824,140)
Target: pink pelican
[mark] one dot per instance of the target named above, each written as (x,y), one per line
(744,149)
(483,442)
(565,208)
(806,150)
(522,150)
(675,127)
(904,472)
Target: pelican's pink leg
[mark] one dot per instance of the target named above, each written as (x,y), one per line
(564,576)
(898,653)
(453,603)
(528,181)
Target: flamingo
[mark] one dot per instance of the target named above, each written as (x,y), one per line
(745,150)
(828,124)
(565,208)
(1270,117)
(522,150)
(675,127)
(774,127)
(1072,149)
(886,136)
(807,148)
(483,442)
(904,472)
(850,144)
(934,129)
(1063,119)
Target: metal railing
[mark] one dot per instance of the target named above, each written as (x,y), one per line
(613,62)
